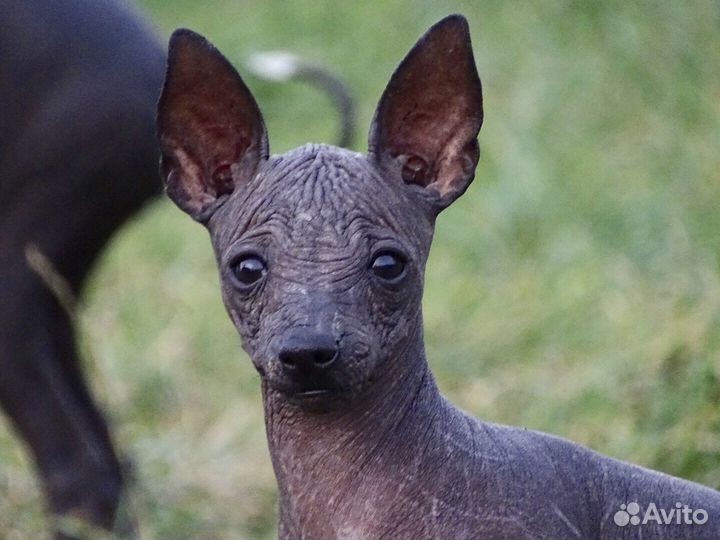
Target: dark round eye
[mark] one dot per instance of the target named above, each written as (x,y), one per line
(248,269)
(388,265)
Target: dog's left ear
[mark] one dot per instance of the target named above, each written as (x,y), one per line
(426,124)
(212,135)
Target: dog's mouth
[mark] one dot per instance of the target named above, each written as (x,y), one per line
(317,400)
(311,394)
(307,395)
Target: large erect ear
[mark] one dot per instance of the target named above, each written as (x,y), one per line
(211,132)
(426,125)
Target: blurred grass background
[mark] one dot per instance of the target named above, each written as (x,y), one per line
(573,289)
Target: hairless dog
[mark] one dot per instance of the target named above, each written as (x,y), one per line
(321,253)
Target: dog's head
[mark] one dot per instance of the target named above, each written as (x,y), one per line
(322,250)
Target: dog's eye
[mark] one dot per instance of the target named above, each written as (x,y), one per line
(388,265)
(249,269)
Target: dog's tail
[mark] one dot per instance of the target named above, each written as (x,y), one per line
(281,66)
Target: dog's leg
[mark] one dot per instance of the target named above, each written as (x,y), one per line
(66,195)
(43,391)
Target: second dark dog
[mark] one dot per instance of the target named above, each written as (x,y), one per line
(79,83)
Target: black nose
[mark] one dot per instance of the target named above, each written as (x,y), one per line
(308,353)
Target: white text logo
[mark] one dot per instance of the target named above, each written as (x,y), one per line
(682,514)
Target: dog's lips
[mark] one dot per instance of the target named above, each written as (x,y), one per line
(302,392)
(313,396)
(316,400)
(309,394)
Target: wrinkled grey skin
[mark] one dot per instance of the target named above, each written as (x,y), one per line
(379,453)
(308,216)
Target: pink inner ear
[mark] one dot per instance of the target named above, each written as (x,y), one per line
(211,129)
(223,150)
(415,171)
(429,116)
(222,181)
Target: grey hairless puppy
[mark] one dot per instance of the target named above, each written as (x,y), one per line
(321,254)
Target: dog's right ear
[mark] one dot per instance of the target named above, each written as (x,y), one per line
(212,135)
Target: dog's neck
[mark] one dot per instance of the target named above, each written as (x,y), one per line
(323,461)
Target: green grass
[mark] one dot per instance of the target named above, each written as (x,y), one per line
(573,289)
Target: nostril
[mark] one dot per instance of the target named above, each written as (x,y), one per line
(325,357)
(287,359)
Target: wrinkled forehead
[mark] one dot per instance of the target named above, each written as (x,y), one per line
(322,196)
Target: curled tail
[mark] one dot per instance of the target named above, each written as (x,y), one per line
(281,66)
